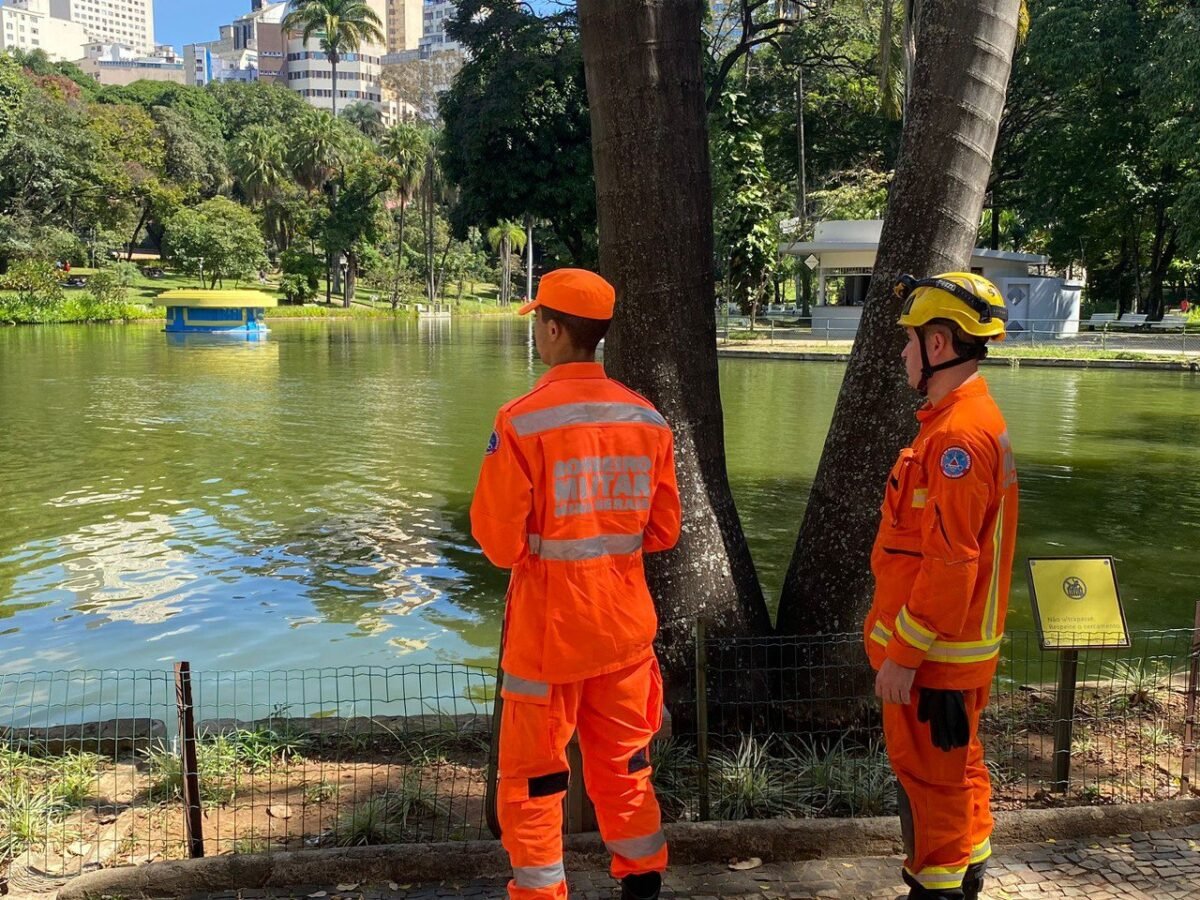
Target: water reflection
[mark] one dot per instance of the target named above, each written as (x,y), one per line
(303,501)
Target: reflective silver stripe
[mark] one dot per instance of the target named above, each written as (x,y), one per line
(539,876)
(514,685)
(638,847)
(585,548)
(584,414)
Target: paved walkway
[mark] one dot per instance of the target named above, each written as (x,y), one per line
(1160,865)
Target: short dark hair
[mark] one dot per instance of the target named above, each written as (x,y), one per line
(965,345)
(585,334)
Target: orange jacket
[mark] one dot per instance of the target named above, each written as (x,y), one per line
(578,482)
(943,557)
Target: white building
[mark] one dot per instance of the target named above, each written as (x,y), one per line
(842,253)
(250,48)
(437,14)
(118,64)
(307,72)
(128,22)
(28,25)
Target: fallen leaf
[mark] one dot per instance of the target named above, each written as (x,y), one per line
(279,812)
(347,887)
(741,866)
(319,894)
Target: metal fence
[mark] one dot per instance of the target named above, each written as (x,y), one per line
(92,769)
(1041,334)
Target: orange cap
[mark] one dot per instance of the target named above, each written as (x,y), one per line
(576,292)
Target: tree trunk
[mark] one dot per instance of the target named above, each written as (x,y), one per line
(138,230)
(351,277)
(654,198)
(955,102)
(333,63)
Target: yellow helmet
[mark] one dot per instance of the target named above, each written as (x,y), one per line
(969,301)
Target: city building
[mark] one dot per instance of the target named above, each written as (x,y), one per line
(127,22)
(118,64)
(28,25)
(437,15)
(307,71)
(405,25)
(249,49)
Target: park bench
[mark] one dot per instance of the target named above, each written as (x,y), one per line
(1171,323)
(1132,321)
(1103,320)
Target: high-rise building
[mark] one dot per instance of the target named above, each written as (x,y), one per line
(250,48)
(27,25)
(405,25)
(437,15)
(127,22)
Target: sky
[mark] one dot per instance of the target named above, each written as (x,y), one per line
(179,22)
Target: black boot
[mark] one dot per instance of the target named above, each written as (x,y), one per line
(973,881)
(641,887)
(918,892)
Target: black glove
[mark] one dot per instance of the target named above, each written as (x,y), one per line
(946,713)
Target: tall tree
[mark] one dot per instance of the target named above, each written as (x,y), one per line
(506,238)
(517,132)
(956,97)
(654,196)
(407,147)
(342,26)
(365,117)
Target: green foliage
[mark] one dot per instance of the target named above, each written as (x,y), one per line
(386,818)
(517,136)
(13,90)
(746,224)
(37,284)
(219,238)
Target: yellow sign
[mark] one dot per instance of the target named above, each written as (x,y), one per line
(1077,603)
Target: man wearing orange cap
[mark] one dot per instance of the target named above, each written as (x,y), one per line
(578,482)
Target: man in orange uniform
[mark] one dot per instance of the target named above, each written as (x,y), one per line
(942,562)
(578,482)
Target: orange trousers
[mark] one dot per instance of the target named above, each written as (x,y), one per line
(945,797)
(616,716)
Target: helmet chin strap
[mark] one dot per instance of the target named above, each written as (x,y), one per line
(928,370)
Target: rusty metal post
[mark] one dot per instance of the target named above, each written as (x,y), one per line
(193,820)
(1064,724)
(1189,728)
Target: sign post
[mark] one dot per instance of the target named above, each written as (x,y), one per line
(1077,606)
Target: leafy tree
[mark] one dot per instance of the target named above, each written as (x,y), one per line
(365,117)
(13,90)
(408,148)
(242,105)
(507,238)
(517,138)
(356,212)
(747,229)
(317,150)
(340,26)
(219,239)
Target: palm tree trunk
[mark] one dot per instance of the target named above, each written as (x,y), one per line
(333,63)
(642,60)
(400,245)
(955,102)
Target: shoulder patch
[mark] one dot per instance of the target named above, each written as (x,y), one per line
(956,462)
(493,443)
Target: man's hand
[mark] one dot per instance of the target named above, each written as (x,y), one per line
(894,683)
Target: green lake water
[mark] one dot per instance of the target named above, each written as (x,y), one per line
(302,502)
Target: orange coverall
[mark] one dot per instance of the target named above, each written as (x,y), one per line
(943,562)
(578,482)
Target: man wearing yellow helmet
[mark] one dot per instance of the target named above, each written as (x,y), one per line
(942,562)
